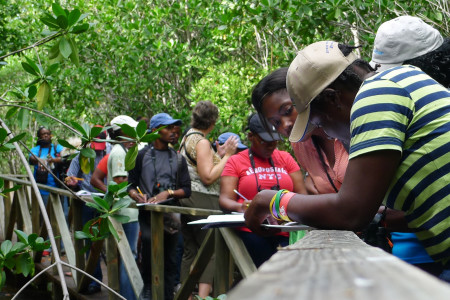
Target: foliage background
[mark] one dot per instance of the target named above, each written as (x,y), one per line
(144,57)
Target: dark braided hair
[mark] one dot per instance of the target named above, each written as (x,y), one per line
(435,63)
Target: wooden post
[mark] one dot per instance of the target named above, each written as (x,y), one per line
(157,255)
(35,213)
(112,262)
(222,265)
(12,217)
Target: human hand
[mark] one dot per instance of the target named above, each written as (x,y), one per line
(138,197)
(160,197)
(71,181)
(258,211)
(310,187)
(245,205)
(230,146)
(220,149)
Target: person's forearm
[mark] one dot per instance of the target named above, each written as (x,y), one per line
(99,184)
(216,171)
(395,220)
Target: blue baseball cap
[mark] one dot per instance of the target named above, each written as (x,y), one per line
(224,137)
(163,119)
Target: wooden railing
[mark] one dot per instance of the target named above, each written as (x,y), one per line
(336,265)
(21,211)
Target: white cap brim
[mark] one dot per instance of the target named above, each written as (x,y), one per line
(300,128)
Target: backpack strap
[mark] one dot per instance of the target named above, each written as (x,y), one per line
(193,161)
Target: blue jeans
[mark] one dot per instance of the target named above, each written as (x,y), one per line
(132,233)
(261,248)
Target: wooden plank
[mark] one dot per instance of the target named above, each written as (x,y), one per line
(12,217)
(35,213)
(64,230)
(77,225)
(198,266)
(330,264)
(239,252)
(128,259)
(24,211)
(222,265)
(112,264)
(157,255)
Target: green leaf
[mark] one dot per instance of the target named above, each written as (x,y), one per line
(141,129)
(50,22)
(150,138)
(74,55)
(29,69)
(53,52)
(120,218)
(80,129)
(66,144)
(74,15)
(31,92)
(17,247)
(3,135)
(6,247)
(124,202)
(64,47)
(62,21)
(34,81)
(101,202)
(52,69)
(32,238)
(42,95)
(22,236)
(95,131)
(94,205)
(85,165)
(14,188)
(130,158)
(58,10)
(2,279)
(112,230)
(23,264)
(80,235)
(17,137)
(128,130)
(88,152)
(80,28)
(34,66)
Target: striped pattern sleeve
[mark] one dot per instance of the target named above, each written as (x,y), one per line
(380,117)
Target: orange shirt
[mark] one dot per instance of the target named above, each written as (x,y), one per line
(309,160)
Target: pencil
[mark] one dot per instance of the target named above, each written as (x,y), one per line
(240,195)
(139,190)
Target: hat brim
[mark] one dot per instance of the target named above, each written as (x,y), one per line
(300,126)
(383,67)
(269,138)
(241,146)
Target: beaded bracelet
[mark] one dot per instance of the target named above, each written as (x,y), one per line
(283,207)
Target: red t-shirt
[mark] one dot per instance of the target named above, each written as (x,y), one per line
(103,164)
(239,166)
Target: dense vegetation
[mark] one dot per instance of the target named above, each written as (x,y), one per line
(145,57)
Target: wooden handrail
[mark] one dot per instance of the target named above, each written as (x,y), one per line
(332,264)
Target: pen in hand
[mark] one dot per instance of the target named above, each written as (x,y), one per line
(240,195)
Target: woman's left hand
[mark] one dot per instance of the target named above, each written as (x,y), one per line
(160,197)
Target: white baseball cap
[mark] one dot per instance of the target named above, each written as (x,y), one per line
(122,119)
(401,39)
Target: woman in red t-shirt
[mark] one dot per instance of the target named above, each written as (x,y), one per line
(261,167)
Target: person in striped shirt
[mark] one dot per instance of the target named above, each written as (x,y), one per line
(397,124)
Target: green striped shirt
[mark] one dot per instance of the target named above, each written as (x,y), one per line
(406,110)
